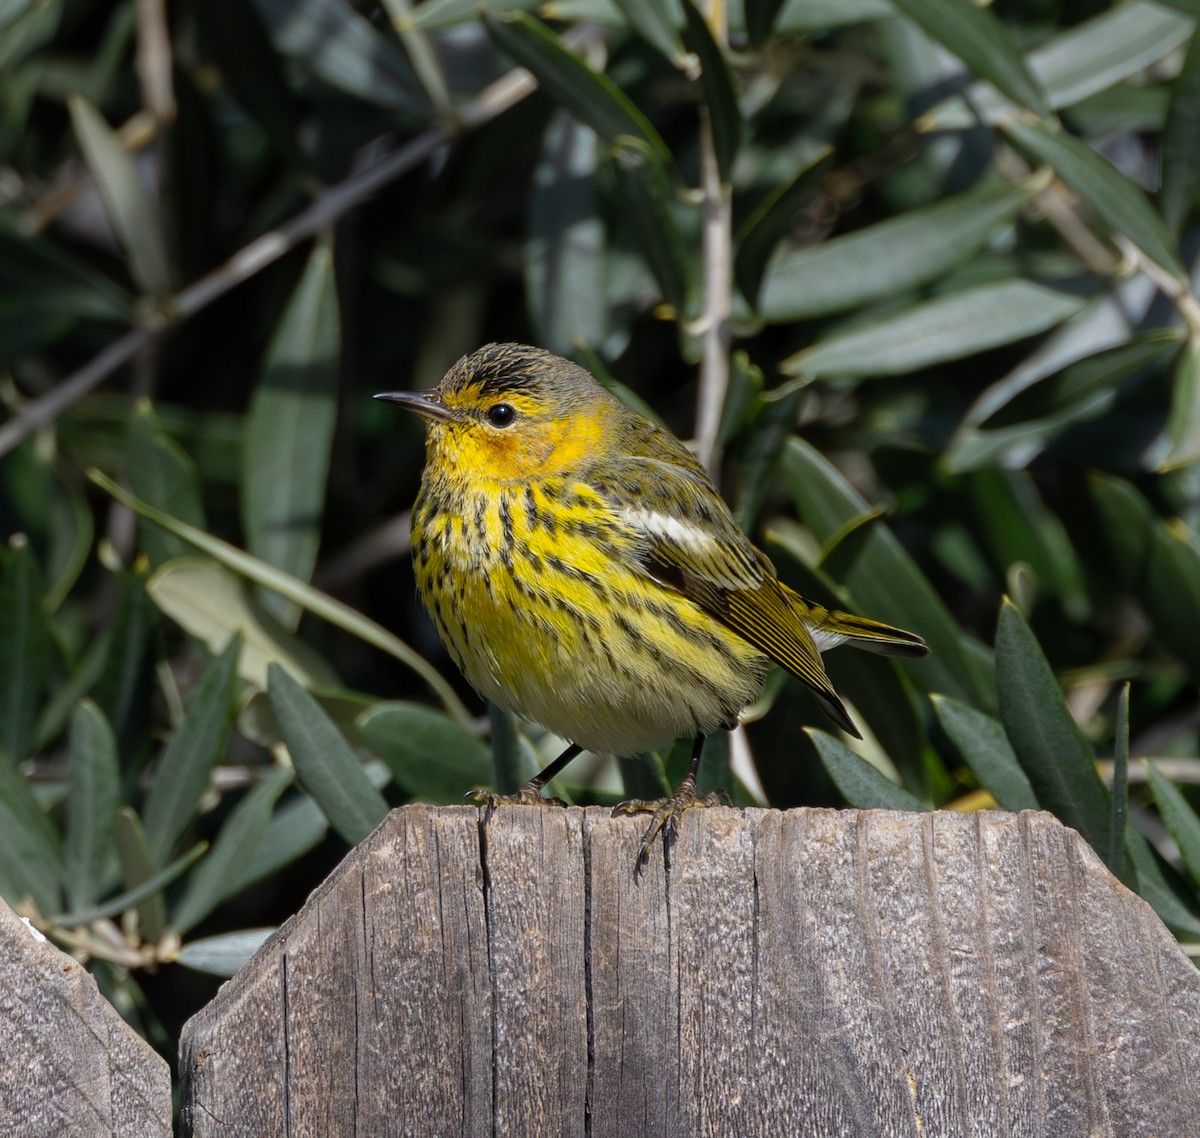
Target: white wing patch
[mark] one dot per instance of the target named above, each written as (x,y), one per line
(675,530)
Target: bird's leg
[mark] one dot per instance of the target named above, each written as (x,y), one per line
(668,811)
(530,793)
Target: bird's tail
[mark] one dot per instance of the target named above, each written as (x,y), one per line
(829,628)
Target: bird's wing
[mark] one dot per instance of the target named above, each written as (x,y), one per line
(688,541)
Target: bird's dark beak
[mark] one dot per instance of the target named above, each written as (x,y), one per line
(427,404)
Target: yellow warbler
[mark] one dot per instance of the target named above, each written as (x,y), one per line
(583,571)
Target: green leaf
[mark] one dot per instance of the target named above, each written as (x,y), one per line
(763,230)
(93,796)
(1078,63)
(144,880)
(720,98)
(982,42)
(133,214)
(289,431)
(564,256)
(312,600)
(567,80)
(195,747)
(985,748)
(26,650)
(433,758)
(887,258)
(223,955)
(1183,426)
(1181,820)
(125,685)
(1180,160)
(331,39)
(646,198)
(325,764)
(212,605)
(444,13)
(949,328)
(1052,751)
(1159,566)
(1154,887)
(46,278)
(215,878)
(760,19)
(163,475)
(1120,785)
(658,22)
(1120,204)
(821,15)
(882,577)
(861,784)
(296,828)
(31,862)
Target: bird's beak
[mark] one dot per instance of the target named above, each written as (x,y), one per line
(427,404)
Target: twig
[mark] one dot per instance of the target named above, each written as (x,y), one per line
(718,277)
(493,101)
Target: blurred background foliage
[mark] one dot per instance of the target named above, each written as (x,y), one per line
(914,273)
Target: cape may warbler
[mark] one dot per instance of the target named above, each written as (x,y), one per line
(583,571)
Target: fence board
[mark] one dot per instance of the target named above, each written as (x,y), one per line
(809,972)
(70,1067)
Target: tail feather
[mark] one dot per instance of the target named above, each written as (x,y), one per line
(829,628)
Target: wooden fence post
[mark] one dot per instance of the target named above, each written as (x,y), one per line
(824,973)
(70,1067)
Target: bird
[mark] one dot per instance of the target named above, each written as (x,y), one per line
(584,573)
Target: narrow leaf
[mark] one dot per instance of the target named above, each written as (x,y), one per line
(325,764)
(658,22)
(163,475)
(985,748)
(566,79)
(882,577)
(1183,426)
(1180,157)
(144,881)
(289,431)
(312,600)
(949,328)
(26,650)
(223,955)
(889,257)
(133,214)
(1181,820)
(1120,784)
(861,784)
(213,605)
(773,220)
(564,256)
(1056,758)
(429,755)
(93,796)
(646,194)
(339,45)
(982,42)
(195,747)
(720,98)
(1120,204)
(215,878)
(31,862)
(45,277)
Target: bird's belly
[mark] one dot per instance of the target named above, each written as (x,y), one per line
(567,633)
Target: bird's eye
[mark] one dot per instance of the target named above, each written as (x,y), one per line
(501,414)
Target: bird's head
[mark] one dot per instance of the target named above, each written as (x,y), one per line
(510,412)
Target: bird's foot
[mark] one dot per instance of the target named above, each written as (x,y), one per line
(667,813)
(530,794)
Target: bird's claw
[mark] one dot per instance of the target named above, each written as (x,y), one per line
(530,794)
(667,813)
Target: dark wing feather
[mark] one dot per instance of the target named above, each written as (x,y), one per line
(690,543)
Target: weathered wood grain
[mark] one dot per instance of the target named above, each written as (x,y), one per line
(835,974)
(70,1067)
